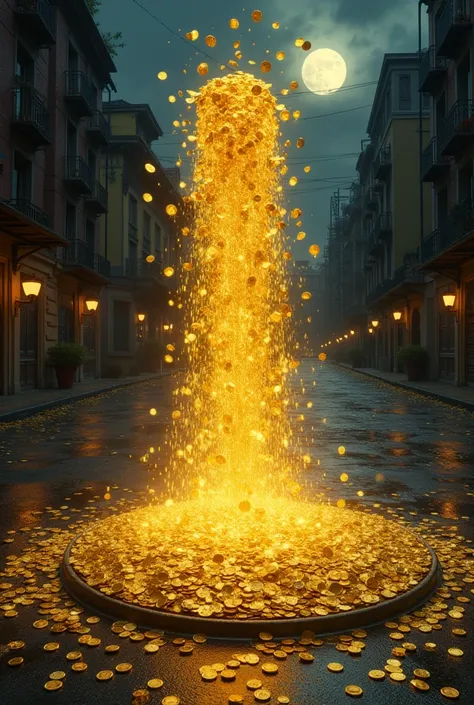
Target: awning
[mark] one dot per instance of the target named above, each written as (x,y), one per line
(28,224)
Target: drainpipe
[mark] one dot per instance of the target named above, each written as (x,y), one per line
(107,162)
(420,129)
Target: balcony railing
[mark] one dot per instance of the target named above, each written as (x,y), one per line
(457,129)
(406,274)
(98,127)
(79,93)
(79,253)
(451,27)
(132,232)
(371,199)
(383,225)
(383,163)
(432,70)
(31,116)
(98,198)
(458,226)
(78,174)
(433,164)
(38,18)
(29,210)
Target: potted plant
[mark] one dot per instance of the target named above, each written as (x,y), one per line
(357,357)
(150,355)
(415,360)
(66,358)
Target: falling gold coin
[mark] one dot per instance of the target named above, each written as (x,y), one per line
(104,675)
(354,690)
(266,66)
(419,684)
(377,675)
(123,667)
(202,69)
(162,75)
(210,40)
(455,652)
(257,15)
(306,46)
(155,683)
(17,661)
(306,295)
(53,685)
(171,210)
(335,667)
(451,693)
(234,24)
(147,197)
(280,55)
(79,667)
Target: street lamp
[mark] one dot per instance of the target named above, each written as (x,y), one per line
(449,301)
(371,330)
(375,323)
(31,289)
(141,317)
(397,315)
(353,332)
(91,304)
(346,336)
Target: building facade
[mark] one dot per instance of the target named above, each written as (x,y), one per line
(54,67)
(141,240)
(447,252)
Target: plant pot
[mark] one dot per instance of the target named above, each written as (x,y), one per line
(65,375)
(415,373)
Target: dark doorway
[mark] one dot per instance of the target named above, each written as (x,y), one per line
(415,327)
(28,345)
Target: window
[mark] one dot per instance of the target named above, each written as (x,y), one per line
(73,59)
(25,66)
(146,246)
(404,92)
(90,234)
(122,326)
(22,177)
(70,221)
(92,162)
(66,320)
(133,211)
(157,241)
(132,250)
(71,140)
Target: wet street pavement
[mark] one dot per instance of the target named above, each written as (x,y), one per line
(406,456)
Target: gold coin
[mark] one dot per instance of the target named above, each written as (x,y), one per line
(79,667)
(41,624)
(280,654)
(457,631)
(262,695)
(186,650)
(233,664)
(283,699)
(421,673)
(93,641)
(254,684)
(140,696)
(171,700)
(419,684)
(53,685)
(377,675)
(155,683)
(228,674)
(354,690)
(129,626)
(235,699)
(397,676)
(104,675)
(57,675)
(430,646)
(15,645)
(52,646)
(455,652)
(354,650)
(269,668)
(112,649)
(200,638)
(151,648)
(335,667)
(17,661)
(396,636)
(123,667)
(252,659)
(306,657)
(394,662)
(84,639)
(450,693)
(218,667)
(74,656)
(265,636)
(208,674)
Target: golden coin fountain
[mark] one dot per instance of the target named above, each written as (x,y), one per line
(231,543)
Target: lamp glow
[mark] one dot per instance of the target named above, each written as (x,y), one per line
(166,327)
(92,305)
(449,300)
(371,330)
(375,323)
(397,315)
(31,287)
(352,332)
(141,317)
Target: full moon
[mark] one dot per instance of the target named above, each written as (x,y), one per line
(324,71)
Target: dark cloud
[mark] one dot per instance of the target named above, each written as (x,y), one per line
(365,12)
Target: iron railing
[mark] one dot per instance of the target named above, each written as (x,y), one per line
(452,14)
(431,156)
(383,160)
(77,86)
(76,169)
(459,224)
(430,61)
(29,210)
(459,120)
(99,194)
(382,224)
(43,9)
(30,109)
(99,122)
(79,253)
(132,232)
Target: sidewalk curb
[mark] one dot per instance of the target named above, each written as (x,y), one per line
(30,411)
(469,406)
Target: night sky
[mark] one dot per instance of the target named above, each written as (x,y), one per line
(360,30)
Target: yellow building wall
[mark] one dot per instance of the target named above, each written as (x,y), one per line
(406,187)
(123,124)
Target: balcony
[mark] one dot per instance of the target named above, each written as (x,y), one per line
(456,133)
(434,166)
(383,163)
(98,199)
(374,246)
(133,232)
(90,266)
(29,210)
(452,27)
(38,19)
(98,129)
(79,94)
(21,219)
(371,199)
(405,279)
(78,175)
(30,116)
(433,70)
(452,242)
(383,226)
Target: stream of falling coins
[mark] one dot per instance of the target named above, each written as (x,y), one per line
(230,429)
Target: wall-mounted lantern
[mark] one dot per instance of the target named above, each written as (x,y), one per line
(92,304)
(397,315)
(450,301)
(31,289)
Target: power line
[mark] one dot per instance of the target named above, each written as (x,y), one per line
(337,112)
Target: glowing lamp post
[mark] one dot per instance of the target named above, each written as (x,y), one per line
(449,302)
(375,323)
(397,315)
(371,330)
(31,289)
(92,305)
(141,317)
